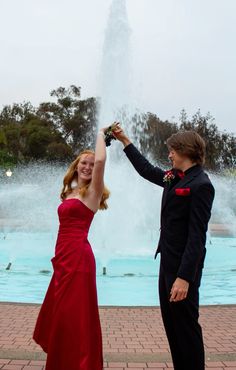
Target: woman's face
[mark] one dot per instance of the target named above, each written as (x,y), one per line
(85,167)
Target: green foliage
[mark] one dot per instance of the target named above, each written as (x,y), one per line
(58,152)
(220,147)
(58,130)
(151,133)
(6,159)
(17,113)
(3,139)
(75,119)
(53,131)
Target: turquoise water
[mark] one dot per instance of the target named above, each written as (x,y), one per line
(130,280)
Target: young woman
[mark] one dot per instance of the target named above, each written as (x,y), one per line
(68,326)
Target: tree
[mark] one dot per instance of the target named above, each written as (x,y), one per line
(151,134)
(75,118)
(220,147)
(40,137)
(25,136)
(59,130)
(17,113)
(58,152)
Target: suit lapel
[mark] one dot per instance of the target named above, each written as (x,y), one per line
(169,193)
(164,196)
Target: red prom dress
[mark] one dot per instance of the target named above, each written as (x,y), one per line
(68,326)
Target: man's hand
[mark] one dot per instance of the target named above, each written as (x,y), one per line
(179,290)
(120,135)
(111,127)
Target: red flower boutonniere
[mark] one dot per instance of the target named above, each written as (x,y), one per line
(168,177)
(184,192)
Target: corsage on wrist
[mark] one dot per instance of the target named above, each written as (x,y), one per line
(109,135)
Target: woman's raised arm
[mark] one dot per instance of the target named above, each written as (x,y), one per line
(97,183)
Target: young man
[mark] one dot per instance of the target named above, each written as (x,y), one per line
(185,211)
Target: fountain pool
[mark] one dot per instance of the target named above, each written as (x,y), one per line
(130,280)
(124,237)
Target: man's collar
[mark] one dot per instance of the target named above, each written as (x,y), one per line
(190,169)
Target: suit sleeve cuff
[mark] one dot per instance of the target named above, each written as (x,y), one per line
(186,277)
(128,147)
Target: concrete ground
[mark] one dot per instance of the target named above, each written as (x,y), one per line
(133,338)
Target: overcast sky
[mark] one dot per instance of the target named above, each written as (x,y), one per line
(183,52)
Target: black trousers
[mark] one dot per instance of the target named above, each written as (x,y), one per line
(180,320)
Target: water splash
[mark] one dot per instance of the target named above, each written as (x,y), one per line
(115,76)
(224,206)
(29,198)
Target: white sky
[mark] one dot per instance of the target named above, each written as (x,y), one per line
(183,52)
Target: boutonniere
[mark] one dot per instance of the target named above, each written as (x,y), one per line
(182,192)
(168,177)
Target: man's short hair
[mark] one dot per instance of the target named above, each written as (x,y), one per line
(190,144)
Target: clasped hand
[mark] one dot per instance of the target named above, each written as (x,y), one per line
(179,290)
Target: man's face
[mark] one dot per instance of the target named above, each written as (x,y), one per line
(176,159)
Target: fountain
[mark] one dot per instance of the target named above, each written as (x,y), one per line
(126,189)
(124,237)
(115,76)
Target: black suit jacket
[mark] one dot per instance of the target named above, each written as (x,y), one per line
(184,218)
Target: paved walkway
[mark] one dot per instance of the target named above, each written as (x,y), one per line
(133,338)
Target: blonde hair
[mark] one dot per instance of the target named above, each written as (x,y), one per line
(71,175)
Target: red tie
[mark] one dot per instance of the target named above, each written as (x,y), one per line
(181,174)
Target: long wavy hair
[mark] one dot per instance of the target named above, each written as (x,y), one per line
(72,175)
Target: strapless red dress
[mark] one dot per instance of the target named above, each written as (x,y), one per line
(68,326)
